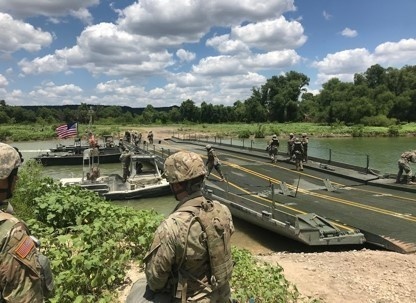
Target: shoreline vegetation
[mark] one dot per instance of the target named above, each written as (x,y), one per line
(18,132)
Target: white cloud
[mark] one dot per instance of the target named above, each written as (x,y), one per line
(20,35)
(224,45)
(3,81)
(184,55)
(345,64)
(350,33)
(327,16)
(396,53)
(48,8)
(275,34)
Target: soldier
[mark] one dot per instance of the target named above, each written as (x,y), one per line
(305,141)
(150,137)
(297,152)
(404,166)
(25,274)
(91,140)
(190,258)
(125,159)
(213,162)
(290,145)
(273,148)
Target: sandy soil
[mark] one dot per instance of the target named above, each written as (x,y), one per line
(362,276)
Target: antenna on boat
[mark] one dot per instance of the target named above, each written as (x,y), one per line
(90,113)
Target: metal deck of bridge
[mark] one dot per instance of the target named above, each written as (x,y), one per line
(383,211)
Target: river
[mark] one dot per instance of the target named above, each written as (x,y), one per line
(382,153)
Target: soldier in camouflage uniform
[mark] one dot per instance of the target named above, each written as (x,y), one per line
(125,159)
(25,275)
(213,162)
(404,166)
(190,258)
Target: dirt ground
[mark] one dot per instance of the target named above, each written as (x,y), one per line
(362,276)
(358,276)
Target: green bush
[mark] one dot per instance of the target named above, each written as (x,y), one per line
(254,281)
(244,134)
(394,131)
(260,132)
(379,120)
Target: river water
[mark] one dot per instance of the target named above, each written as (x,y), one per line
(381,153)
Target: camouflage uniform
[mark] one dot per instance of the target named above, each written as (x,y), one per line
(174,248)
(20,270)
(150,137)
(273,148)
(297,152)
(125,159)
(190,258)
(404,166)
(290,145)
(305,142)
(213,162)
(25,275)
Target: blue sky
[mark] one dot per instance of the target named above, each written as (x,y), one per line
(162,52)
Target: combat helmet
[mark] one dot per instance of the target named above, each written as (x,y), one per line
(208,147)
(10,159)
(183,166)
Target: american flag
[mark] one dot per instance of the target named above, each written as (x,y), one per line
(67,130)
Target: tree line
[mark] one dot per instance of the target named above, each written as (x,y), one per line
(378,97)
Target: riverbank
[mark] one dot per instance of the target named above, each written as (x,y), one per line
(19,133)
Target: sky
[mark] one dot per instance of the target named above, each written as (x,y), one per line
(163,52)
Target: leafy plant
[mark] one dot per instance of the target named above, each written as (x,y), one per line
(256,282)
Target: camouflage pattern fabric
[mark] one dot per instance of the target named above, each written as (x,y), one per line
(20,270)
(213,162)
(9,160)
(180,243)
(183,166)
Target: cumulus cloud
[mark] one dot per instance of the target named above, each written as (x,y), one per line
(20,35)
(274,34)
(345,64)
(56,8)
(184,55)
(3,81)
(350,33)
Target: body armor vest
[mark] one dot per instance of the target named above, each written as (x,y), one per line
(215,223)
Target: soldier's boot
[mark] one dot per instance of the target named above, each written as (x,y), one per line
(398,178)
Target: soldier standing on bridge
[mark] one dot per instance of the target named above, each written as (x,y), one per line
(404,166)
(213,162)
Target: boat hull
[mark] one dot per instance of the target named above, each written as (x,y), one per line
(75,159)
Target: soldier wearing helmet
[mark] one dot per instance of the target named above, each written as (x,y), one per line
(305,141)
(272,148)
(25,274)
(297,151)
(213,162)
(190,258)
(290,145)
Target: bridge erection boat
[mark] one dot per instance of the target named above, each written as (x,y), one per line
(145,179)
